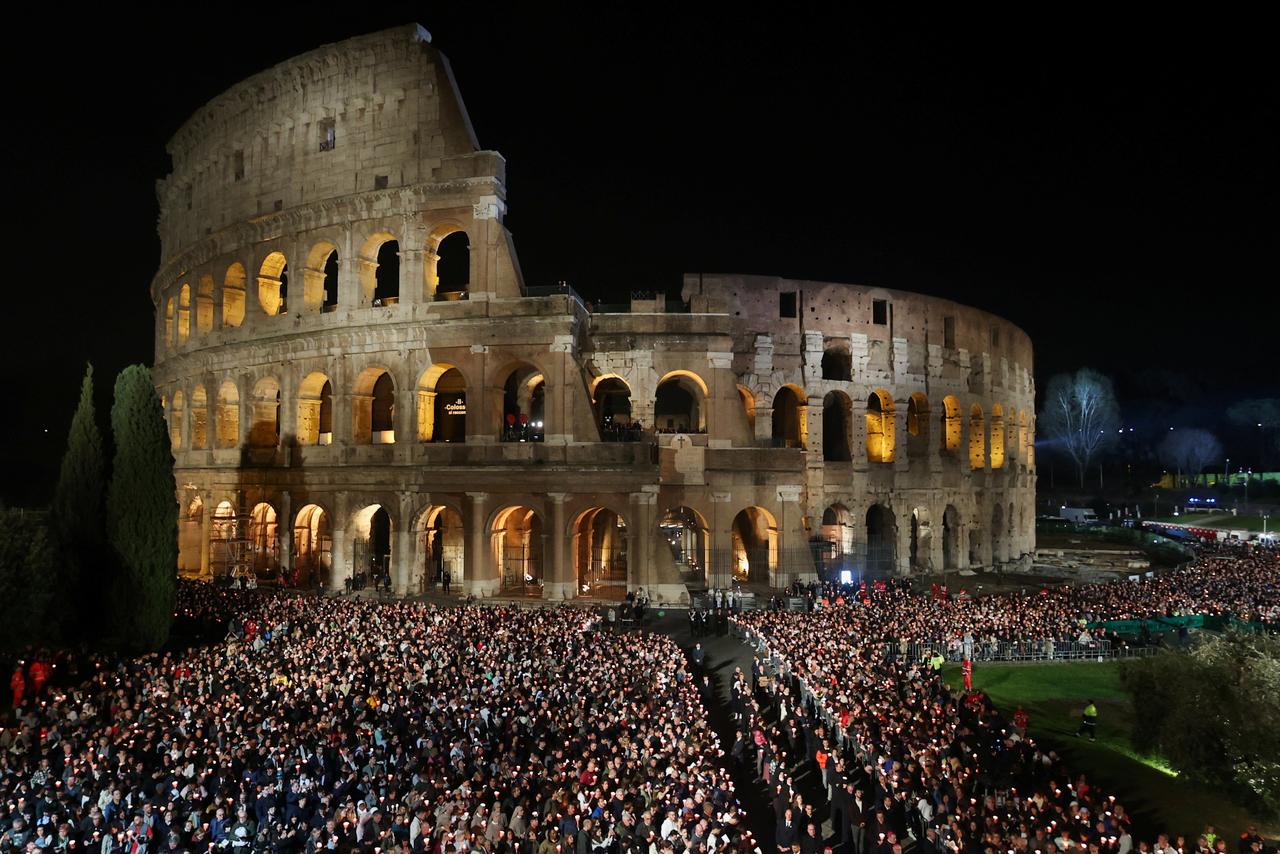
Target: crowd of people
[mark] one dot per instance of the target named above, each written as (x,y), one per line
(337,724)
(903,757)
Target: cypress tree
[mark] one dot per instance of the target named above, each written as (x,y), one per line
(142,513)
(77,515)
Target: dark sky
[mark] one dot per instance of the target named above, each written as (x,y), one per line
(1109,185)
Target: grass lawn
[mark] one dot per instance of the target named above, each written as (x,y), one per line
(1054,696)
(1219,520)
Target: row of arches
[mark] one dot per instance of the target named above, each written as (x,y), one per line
(277,290)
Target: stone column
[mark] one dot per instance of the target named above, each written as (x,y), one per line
(764,425)
(206,528)
(791,540)
(403,571)
(561,583)
(412,274)
(481,427)
(339,571)
(720,570)
(482,576)
(858,435)
(284,530)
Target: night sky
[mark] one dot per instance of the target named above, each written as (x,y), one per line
(1108,185)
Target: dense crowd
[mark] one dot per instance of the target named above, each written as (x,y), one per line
(903,757)
(340,725)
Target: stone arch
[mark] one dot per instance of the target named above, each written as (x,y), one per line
(320,277)
(442,404)
(880,427)
(204,305)
(315,410)
(169,321)
(448,262)
(273,284)
(951,426)
(372,545)
(264,539)
(177,411)
(754,537)
(997,436)
(977,439)
(882,541)
(921,540)
(689,536)
(837,427)
(233,295)
(918,425)
(442,543)
(226,432)
(599,553)
(264,425)
(190,530)
(749,406)
(379,274)
(524,399)
(837,364)
(679,404)
(611,400)
(223,536)
(950,538)
(312,547)
(515,537)
(790,417)
(839,536)
(199,418)
(184,314)
(373,407)
(975,546)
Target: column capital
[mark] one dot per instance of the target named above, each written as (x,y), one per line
(555,497)
(478,497)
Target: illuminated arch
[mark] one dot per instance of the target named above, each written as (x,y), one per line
(315,410)
(169,324)
(441,543)
(448,263)
(224,544)
(679,404)
(312,547)
(190,529)
(921,540)
(226,433)
(199,418)
(442,404)
(997,436)
(379,261)
(880,427)
(515,537)
(749,406)
(611,400)
(951,426)
(273,284)
(837,364)
(264,428)
(790,417)
(233,295)
(373,407)
(372,545)
(754,538)
(837,427)
(686,532)
(600,553)
(320,278)
(524,397)
(184,314)
(264,539)
(176,414)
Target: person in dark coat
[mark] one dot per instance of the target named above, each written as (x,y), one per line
(788,834)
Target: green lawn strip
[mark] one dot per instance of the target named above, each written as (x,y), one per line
(1054,696)
(1218,520)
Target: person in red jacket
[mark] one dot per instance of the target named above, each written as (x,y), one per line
(1020,720)
(967,669)
(18,684)
(40,671)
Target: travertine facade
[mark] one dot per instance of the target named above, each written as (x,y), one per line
(357,377)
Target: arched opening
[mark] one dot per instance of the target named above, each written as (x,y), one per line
(838,541)
(754,535)
(204,305)
(516,538)
(880,430)
(975,547)
(264,540)
(600,553)
(612,402)
(789,418)
(997,436)
(977,439)
(442,404)
(687,535)
(441,544)
(373,408)
(950,538)
(190,529)
(227,420)
(918,426)
(264,429)
(449,265)
(168,324)
(371,548)
(882,538)
(233,295)
(524,397)
(951,424)
(315,410)
(678,403)
(837,427)
(176,414)
(749,407)
(386,289)
(199,418)
(273,284)
(312,547)
(223,539)
(184,314)
(921,540)
(998,535)
(1022,435)
(320,278)
(837,365)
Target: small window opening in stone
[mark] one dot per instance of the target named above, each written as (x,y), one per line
(379,182)
(949,332)
(787,304)
(328,135)
(238,164)
(277,205)
(880,312)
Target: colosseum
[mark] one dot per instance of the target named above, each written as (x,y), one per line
(361,387)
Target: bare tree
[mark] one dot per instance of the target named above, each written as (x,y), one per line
(1190,451)
(1081,414)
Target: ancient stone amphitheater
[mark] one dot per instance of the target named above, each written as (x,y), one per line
(361,387)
